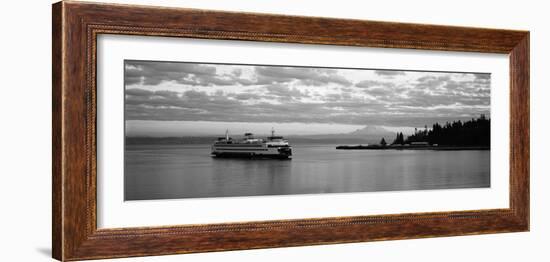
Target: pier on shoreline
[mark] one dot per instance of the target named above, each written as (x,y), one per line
(410,147)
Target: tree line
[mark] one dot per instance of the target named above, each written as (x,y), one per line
(474,132)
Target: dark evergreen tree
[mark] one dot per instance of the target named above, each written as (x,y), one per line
(475,132)
(383,142)
(399,140)
(396,140)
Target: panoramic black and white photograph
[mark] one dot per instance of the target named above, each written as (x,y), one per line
(202,130)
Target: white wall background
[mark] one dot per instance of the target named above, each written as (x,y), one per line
(25,150)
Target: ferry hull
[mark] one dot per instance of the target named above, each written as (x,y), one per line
(250,156)
(277,153)
(250,147)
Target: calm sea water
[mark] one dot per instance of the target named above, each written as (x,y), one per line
(188,171)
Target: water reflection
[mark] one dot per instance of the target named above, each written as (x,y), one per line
(163,172)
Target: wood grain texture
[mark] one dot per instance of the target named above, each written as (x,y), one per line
(75,29)
(519,129)
(57,191)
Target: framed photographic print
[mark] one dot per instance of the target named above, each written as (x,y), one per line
(182,130)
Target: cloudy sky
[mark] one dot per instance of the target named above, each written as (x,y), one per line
(178,99)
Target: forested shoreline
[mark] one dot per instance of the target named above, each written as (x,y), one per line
(474,132)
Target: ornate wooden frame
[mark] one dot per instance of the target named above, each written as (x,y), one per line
(76,26)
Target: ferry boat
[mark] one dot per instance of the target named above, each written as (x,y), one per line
(250,147)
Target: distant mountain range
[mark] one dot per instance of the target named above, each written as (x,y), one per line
(366,135)
(371,130)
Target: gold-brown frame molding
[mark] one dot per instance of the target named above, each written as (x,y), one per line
(75,28)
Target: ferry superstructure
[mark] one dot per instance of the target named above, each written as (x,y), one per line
(250,147)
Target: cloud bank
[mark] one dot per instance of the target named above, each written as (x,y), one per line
(166,91)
